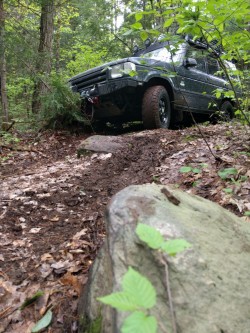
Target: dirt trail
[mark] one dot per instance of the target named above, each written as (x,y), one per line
(52,206)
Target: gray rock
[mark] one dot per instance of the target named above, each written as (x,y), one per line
(102,144)
(210,282)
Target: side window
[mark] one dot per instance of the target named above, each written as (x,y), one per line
(199,56)
(213,66)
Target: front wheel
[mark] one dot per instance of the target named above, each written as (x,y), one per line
(156,108)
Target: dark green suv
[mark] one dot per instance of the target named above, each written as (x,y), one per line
(156,85)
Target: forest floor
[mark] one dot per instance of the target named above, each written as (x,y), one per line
(52,205)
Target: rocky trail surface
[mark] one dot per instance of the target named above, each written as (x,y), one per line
(52,205)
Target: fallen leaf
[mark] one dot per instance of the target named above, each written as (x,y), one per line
(42,303)
(43,322)
(76,251)
(245,218)
(47,257)
(19,243)
(61,266)
(34,230)
(45,270)
(80,233)
(54,219)
(72,280)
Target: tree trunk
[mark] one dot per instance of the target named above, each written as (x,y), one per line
(4,118)
(58,39)
(44,59)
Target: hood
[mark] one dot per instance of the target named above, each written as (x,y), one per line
(136,60)
(99,68)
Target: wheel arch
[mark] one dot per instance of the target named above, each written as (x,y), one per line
(233,105)
(156,81)
(227,99)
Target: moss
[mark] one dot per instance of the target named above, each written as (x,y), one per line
(189,138)
(83,152)
(87,326)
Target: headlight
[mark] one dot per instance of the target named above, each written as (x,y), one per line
(121,69)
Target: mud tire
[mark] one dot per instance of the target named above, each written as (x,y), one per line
(156,108)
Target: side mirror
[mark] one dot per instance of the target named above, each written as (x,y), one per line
(147,42)
(135,49)
(189,62)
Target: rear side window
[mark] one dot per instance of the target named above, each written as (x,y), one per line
(199,56)
(213,66)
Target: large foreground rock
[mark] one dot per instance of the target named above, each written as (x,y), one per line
(210,282)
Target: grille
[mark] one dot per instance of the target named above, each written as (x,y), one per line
(89,79)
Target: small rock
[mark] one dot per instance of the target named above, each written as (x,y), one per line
(101,144)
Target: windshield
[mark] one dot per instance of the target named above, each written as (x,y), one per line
(167,55)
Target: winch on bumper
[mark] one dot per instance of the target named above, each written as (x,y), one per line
(102,99)
(102,89)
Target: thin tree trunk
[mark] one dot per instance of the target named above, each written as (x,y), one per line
(58,39)
(44,60)
(4,100)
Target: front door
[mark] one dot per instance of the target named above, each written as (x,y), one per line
(193,81)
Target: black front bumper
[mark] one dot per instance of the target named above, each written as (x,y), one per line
(109,87)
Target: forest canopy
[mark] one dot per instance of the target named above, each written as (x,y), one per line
(44,42)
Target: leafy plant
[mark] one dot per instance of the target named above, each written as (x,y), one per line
(5,158)
(138,294)
(32,299)
(186,169)
(228,190)
(86,57)
(231,174)
(155,179)
(60,106)
(155,240)
(240,179)
(227,173)
(45,320)
(8,138)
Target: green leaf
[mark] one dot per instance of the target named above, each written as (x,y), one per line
(43,322)
(138,16)
(172,247)
(128,32)
(203,165)
(136,26)
(32,299)
(243,178)
(132,73)
(144,35)
(121,300)
(247,213)
(140,323)
(168,22)
(221,27)
(138,286)
(227,173)
(196,170)
(154,32)
(149,235)
(228,190)
(217,21)
(185,169)
(218,93)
